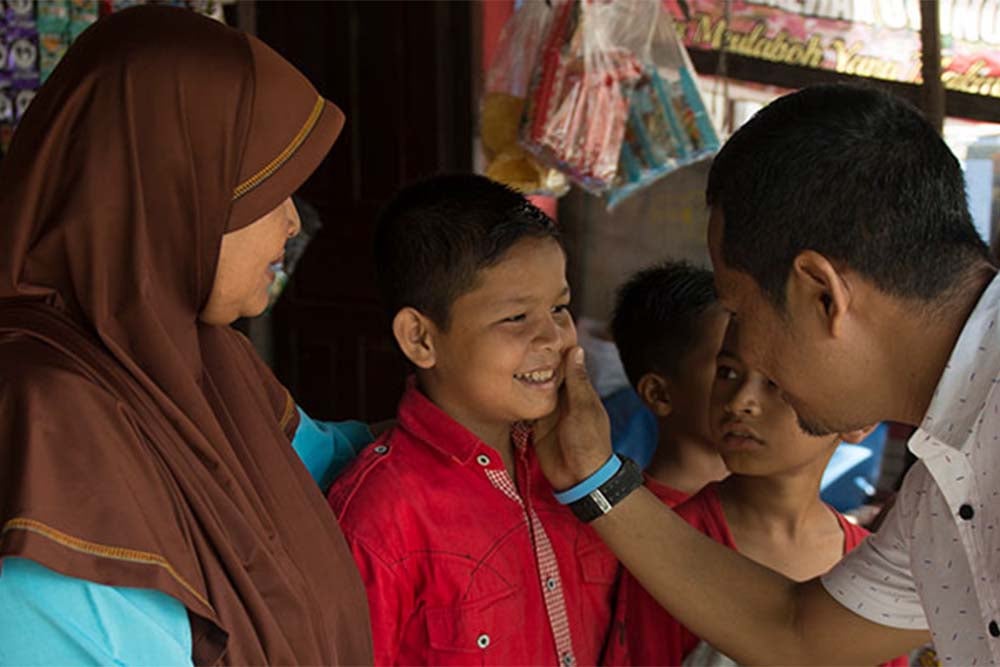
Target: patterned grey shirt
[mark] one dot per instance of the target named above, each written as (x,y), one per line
(935,562)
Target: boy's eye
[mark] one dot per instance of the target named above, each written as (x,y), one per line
(726,372)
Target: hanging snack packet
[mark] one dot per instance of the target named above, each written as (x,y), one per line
(53,35)
(669,126)
(591,65)
(19,14)
(82,14)
(4,55)
(7,114)
(21,41)
(6,105)
(503,102)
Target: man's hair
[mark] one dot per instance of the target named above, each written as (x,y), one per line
(657,317)
(854,174)
(434,237)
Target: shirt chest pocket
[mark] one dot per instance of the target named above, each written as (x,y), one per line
(474,633)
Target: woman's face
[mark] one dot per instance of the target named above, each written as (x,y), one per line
(244,272)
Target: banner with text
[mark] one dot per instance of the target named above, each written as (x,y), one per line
(878,39)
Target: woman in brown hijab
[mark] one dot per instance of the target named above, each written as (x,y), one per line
(144,448)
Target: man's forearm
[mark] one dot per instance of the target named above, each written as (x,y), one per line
(745,610)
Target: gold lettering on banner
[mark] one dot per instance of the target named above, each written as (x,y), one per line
(752,41)
(851,61)
(756,44)
(974,80)
(708,34)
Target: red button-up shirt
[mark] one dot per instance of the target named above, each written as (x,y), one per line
(463,565)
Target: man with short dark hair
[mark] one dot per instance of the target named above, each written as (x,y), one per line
(842,243)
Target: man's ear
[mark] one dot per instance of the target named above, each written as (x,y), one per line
(815,287)
(414,333)
(654,390)
(856,436)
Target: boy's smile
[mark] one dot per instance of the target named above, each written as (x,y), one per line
(542,379)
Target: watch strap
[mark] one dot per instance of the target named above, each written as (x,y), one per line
(600,501)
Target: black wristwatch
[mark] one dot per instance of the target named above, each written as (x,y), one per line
(600,501)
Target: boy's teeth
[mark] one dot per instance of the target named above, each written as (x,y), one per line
(536,376)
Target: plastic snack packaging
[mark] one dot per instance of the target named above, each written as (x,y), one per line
(668,124)
(502,104)
(613,101)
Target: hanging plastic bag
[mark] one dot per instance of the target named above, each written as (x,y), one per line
(577,106)
(613,101)
(503,104)
(668,124)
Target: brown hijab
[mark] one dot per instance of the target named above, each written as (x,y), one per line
(138,446)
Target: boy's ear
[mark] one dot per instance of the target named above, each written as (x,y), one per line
(854,437)
(654,390)
(815,285)
(414,333)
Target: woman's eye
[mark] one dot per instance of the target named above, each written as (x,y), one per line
(562,308)
(515,318)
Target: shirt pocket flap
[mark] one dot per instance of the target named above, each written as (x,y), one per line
(473,627)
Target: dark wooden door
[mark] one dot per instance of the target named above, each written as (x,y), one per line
(403,74)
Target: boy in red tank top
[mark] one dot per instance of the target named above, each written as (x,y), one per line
(769,509)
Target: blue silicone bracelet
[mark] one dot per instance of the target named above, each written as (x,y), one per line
(600,476)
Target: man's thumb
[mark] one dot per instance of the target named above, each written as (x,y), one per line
(577,380)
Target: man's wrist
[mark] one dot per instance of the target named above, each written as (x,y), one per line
(599,493)
(590,482)
(585,467)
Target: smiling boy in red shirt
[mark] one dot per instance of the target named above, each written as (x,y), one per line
(466,555)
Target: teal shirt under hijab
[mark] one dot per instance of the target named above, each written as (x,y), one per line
(47,618)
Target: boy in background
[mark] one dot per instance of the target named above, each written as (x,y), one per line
(668,328)
(466,555)
(768,508)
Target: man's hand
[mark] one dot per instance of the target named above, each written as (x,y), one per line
(583,435)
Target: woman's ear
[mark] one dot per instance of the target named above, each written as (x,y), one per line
(654,390)
(414,333)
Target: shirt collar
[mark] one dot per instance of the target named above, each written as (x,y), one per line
(969,375)
(426,421)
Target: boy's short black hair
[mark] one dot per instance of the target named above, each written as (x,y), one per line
(855,174)
(657,315)
(434,237)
